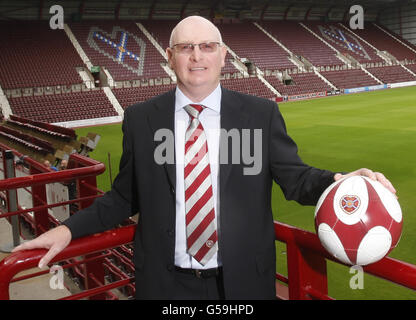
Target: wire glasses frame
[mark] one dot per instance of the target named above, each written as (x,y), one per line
(188,48)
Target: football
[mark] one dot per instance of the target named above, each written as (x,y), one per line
(358,220)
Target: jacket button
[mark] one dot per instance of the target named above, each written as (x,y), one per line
(170,232)
(169,267)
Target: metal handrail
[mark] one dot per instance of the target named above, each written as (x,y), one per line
(23,260)
(394,270)
(92,168)
(306,257)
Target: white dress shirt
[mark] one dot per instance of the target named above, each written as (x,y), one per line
(210,120)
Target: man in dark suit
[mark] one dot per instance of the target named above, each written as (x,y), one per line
(205,228)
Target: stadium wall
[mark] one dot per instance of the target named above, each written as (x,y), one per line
(402,21)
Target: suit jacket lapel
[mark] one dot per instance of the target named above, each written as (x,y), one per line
(233,116)
(162,116)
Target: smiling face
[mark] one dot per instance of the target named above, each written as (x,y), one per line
(198,73)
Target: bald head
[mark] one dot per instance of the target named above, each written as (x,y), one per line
(197,70)
(190,25)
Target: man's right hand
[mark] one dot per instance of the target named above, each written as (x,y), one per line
(56,240)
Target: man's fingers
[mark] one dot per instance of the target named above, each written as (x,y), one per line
(368,173)
(48,257)
(385,182)
(55,240)
(375,176)
(32,244)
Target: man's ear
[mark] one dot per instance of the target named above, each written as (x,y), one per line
(223,55)
(169,54)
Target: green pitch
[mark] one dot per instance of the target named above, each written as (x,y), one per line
(376,130)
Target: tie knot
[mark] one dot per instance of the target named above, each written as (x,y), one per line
(194,110)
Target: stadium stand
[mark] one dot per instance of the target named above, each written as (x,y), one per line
(384,42)
(351,78)
(64,107)
(306,82)
(251,85)
(120,47)
(247,41)
(129,96)
(412,67)
(41,143)
(344,41)
(30,60)
(302,43)
(392,74)
(48,88)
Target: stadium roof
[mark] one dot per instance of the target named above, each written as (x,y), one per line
(168,9)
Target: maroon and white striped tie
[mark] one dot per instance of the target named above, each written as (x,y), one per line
(201,226)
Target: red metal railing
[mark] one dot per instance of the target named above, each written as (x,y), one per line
(306,258)
(306,264)
(81,170)
(19,261)
(95,269)
(307,278)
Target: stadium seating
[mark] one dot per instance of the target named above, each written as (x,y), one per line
(95,38)
(411,45)
(251,85)
(352,78)
(302,43)
(412,67)
(392,74)
(32,62)
(160,30)
(63,107)
(47,126)
(249,42)
(344,41)
(33,55)
(129,96)
(384,42)
(302,83)
(41,143)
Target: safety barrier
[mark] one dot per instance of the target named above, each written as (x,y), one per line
(95,269)
(307,269)
(306,263)
(306,258)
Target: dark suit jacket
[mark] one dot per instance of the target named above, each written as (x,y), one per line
(246,235)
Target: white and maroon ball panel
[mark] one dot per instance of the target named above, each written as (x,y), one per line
(374,246)
(351,200)
(388,199)
(358,220)
(325,194)
(331,242)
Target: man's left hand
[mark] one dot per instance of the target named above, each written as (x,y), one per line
(376,176)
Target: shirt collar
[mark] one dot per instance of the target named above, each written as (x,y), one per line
(213,101)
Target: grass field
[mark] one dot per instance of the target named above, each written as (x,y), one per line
(376,130)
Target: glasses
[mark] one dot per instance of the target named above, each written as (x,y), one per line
(188,48)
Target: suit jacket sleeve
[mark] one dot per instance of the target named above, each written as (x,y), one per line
(297,180)
(116,205)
